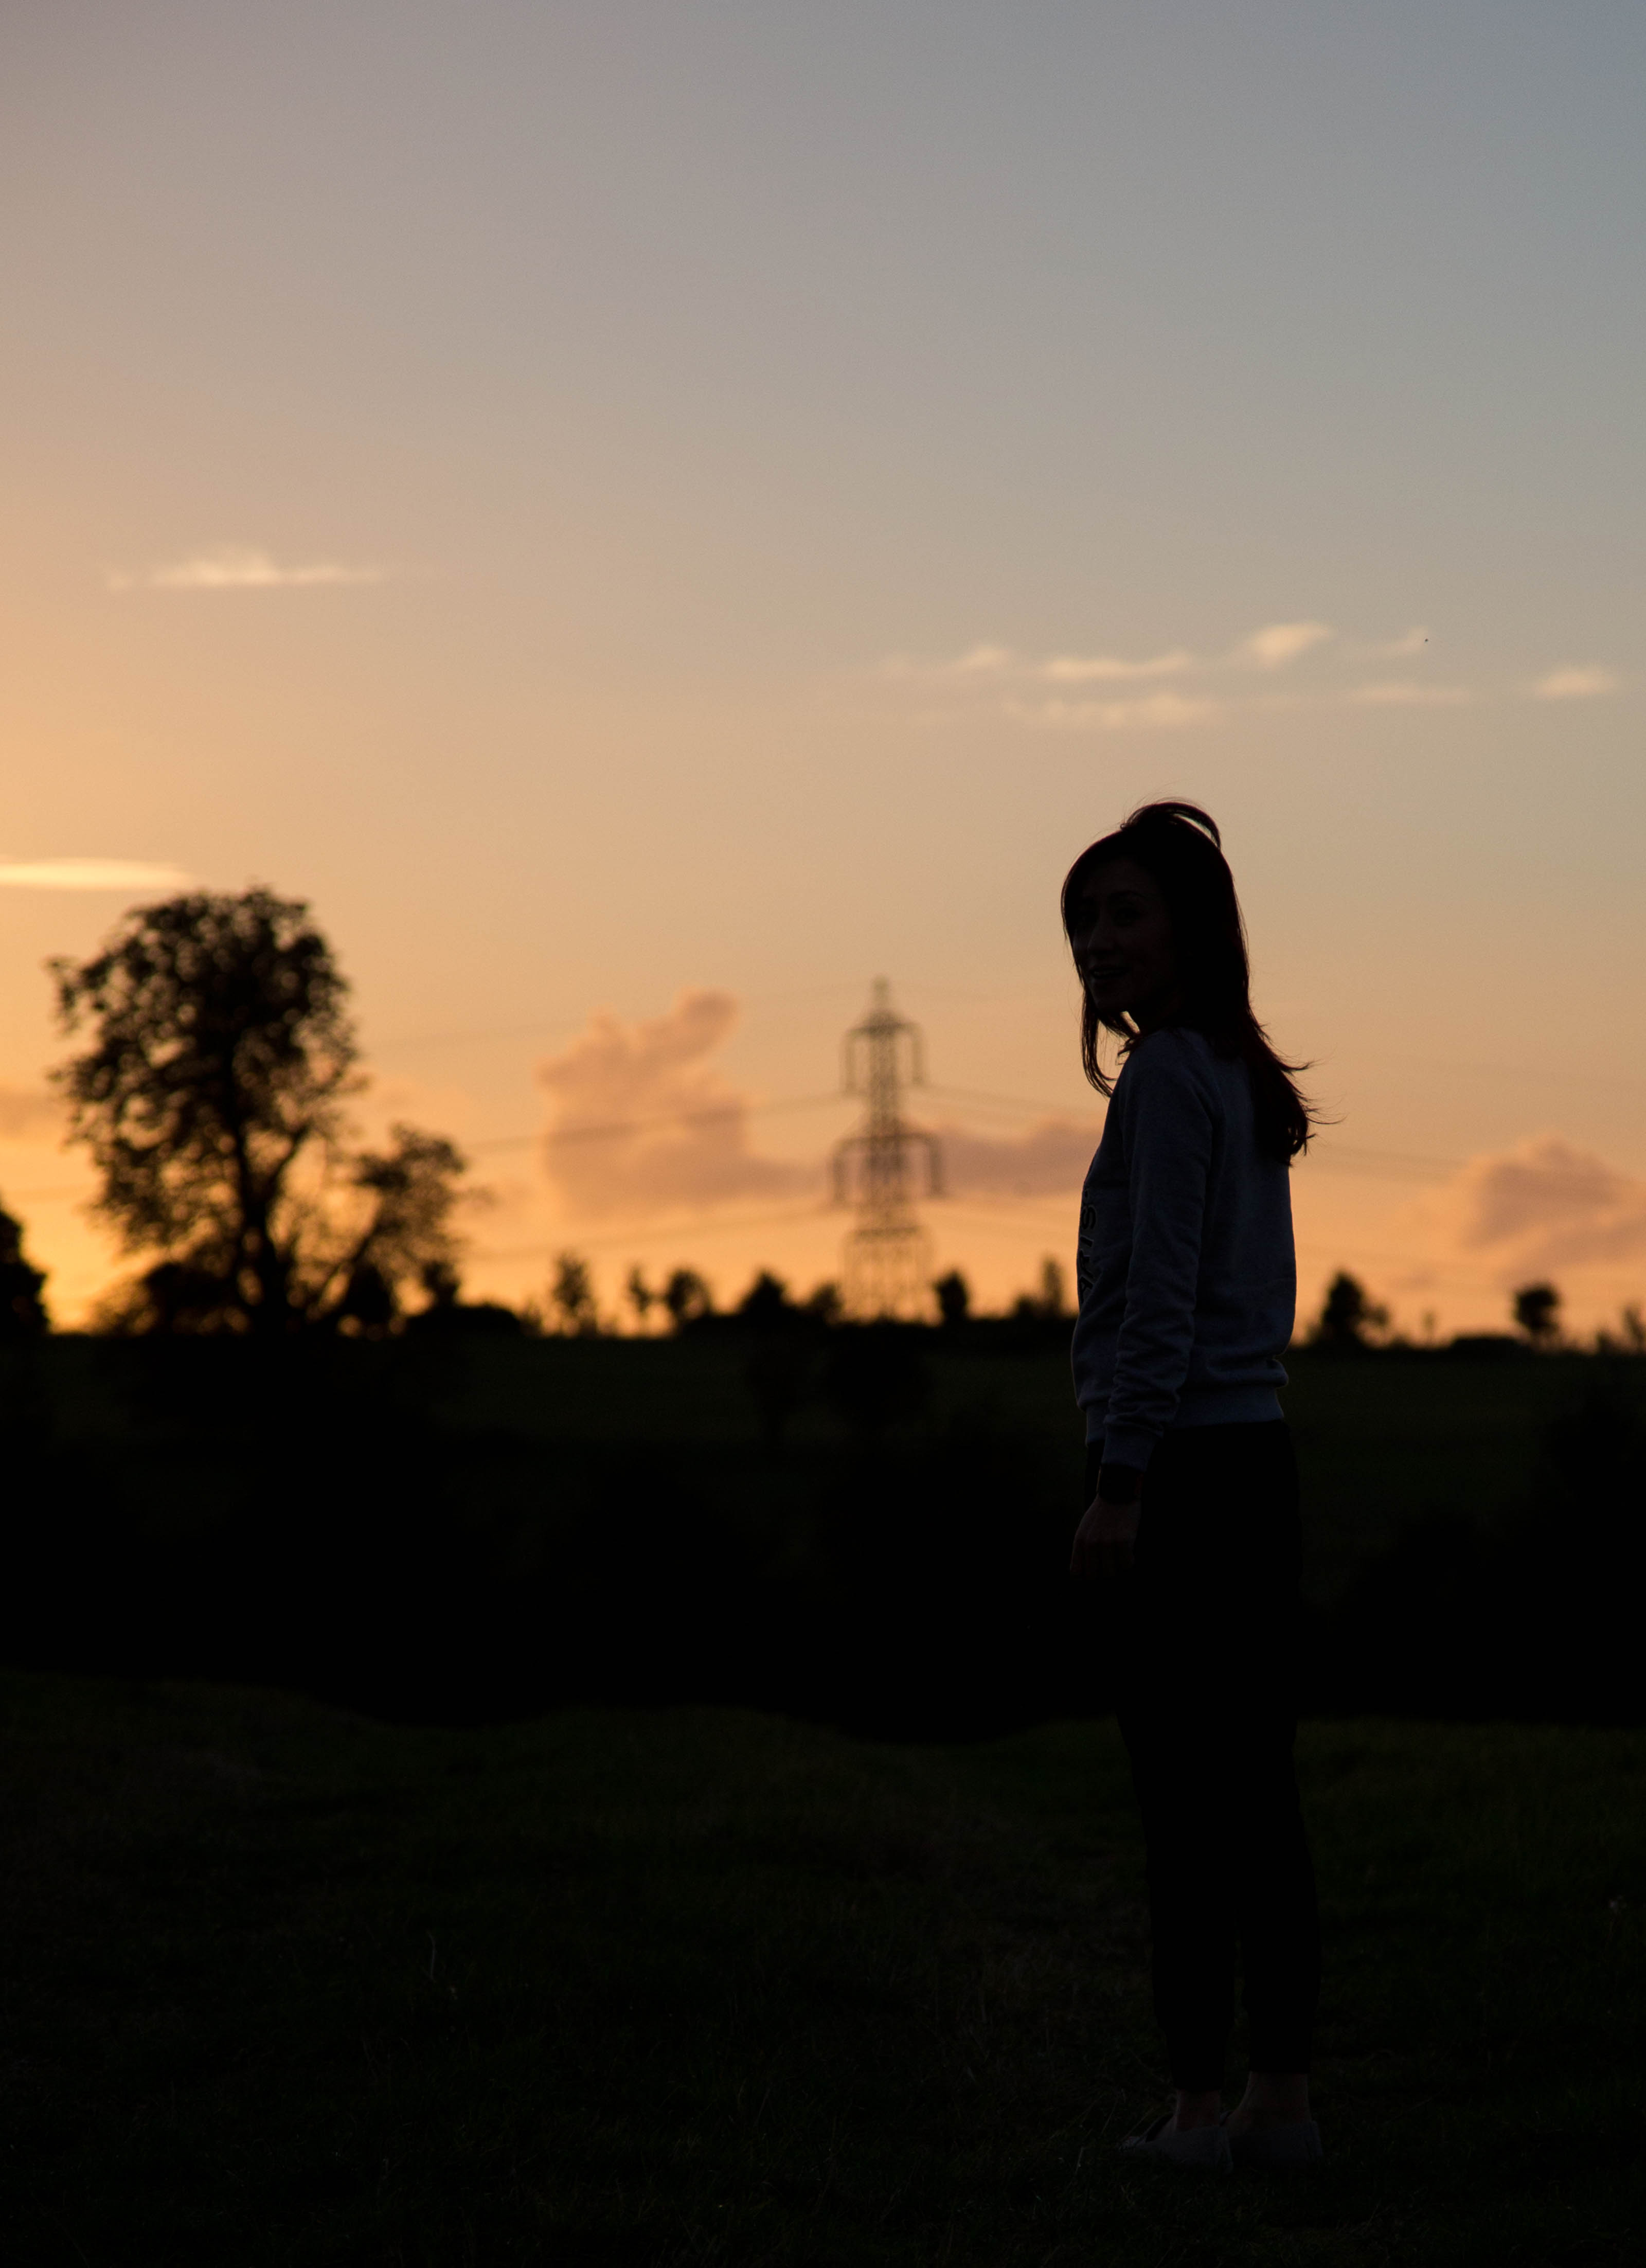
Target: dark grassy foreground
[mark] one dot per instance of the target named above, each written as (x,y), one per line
(286,1987)
(863,1528)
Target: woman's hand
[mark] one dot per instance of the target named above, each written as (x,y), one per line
(1105,1538)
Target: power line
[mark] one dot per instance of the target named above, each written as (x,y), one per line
(552,1137)
(1507,1071)
(1013,1102)
(1338,1154)
(1043,1231)
(1406,1165)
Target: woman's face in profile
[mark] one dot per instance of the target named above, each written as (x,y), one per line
(1121,936)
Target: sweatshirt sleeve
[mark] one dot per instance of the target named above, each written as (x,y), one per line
(1169,1126)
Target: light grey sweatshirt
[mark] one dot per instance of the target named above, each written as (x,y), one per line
(1188,1281)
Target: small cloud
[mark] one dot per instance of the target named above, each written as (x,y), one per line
(237,567)
(1403,649)
(127,875)
(1152,712)
(978,661)
(1280,643)
(1103,668)
(982,661)
(1396,693)
(1576,683)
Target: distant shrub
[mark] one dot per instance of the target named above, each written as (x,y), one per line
(1349,1318)
(22,1309)
(1537,1314)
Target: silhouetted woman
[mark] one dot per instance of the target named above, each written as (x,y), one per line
(1188,1286)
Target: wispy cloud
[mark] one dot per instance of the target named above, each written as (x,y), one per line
(129,876)
(1041,690)
(240,567)
(1578,683)
(1277,644)
(1401,693)
(1108,669)
(988,663)
(983,661)
(1150,712)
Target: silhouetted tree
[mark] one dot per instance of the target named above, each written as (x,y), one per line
(368,1306)
(641,1297)
(767,1301)
(1048,1304)
(169,1297)
(1537,1313)
(212,1100)
(685,1297)
(572,1297)
(22,1310)
(954,1298)
(824,1305)
(1349,1316)
(443,1284)
(449,1315)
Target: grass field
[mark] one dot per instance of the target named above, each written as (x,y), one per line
(283,1985)
(462,1530)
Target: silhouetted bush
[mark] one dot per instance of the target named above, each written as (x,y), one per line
(22,1308)
(1486,1346)
(1349,1318)
(954,1299)
(466,1319)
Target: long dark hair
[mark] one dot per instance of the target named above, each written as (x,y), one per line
(1178,844)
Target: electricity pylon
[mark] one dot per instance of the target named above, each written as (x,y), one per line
(888,1255)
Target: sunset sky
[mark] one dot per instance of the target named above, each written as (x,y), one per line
(653,516)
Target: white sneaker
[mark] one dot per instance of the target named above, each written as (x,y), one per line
(1205,2146)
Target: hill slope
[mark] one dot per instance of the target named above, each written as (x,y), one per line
(285,1986)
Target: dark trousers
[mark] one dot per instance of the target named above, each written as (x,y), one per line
(1205,1632)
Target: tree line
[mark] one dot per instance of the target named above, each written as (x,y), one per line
(212,1091)
(1351,1321)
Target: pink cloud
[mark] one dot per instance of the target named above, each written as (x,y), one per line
(645,1124)
(1543,1205)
